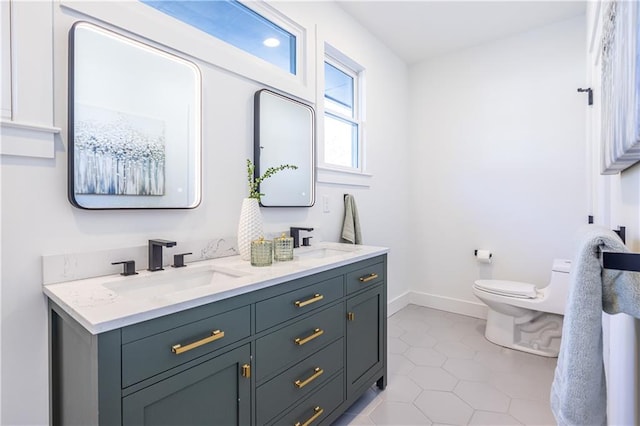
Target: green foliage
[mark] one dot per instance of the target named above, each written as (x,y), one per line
(254,182)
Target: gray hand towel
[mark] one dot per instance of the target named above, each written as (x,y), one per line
(351,227)
(578,392)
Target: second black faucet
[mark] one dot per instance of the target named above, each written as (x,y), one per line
(294,231)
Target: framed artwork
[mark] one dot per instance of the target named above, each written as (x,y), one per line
(620,84)
(134,124)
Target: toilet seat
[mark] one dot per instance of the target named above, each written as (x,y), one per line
(508,288)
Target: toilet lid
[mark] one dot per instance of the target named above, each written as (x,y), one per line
(508,288)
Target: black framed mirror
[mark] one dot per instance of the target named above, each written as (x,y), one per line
(284,133)
(134,124)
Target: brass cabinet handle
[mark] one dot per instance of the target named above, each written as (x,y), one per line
(371,276)
(317,413)
(317,372)
(316,297)
(351,316)
(246,371)
(316,333)
(215,335)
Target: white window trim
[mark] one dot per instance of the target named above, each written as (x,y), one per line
(152,24)
(7,80)
(331,173)
(26,125)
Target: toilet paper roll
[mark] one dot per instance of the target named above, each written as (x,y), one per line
(484,256)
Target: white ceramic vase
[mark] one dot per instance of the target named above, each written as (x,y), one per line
(249,227)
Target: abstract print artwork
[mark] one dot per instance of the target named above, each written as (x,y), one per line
(118,153)
(620,83)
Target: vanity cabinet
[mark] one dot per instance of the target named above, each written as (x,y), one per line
(299,352)
(366,340)
(212,393)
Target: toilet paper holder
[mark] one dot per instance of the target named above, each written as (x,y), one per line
(475,253)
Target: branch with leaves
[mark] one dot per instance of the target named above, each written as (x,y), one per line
(254,182)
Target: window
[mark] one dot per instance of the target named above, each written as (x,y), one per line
(236,24)
(342,115)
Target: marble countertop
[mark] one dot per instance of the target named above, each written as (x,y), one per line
(109,302)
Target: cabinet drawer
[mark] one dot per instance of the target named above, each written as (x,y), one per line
(313,410)
(365,277)
(149,356)
(299,340)
(281,308)
(308,375)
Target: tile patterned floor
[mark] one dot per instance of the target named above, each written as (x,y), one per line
(442,371)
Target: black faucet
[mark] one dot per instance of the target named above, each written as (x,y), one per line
(155,253)
(295,234)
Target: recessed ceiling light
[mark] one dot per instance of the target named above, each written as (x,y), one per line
(271,42)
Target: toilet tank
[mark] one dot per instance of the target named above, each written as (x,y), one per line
(557,291)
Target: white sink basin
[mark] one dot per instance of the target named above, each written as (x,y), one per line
(322,252)
(170,281)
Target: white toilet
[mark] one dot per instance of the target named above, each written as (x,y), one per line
(524,317)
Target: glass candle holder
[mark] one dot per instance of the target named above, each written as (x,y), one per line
(261,252)
(283,248)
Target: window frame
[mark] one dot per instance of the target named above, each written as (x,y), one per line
(145,21)
(356,146)
(334,173)
(235,10)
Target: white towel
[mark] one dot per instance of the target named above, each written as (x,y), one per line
(578,392)
(351,232)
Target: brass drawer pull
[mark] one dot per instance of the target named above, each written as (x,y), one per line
(317,372)
(351,316)
(316,333)
(317,413)
(215,335)
(316,297)
(371,276)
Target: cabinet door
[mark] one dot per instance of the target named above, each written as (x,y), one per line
(365,339)
(212,393)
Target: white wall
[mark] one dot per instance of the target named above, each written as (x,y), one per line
(37,219)
(498,161)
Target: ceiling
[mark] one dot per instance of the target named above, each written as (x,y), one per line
(417,30)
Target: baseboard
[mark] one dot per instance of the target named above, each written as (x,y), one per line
(449,304)
(398,303)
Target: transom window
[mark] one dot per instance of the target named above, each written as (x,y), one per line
(342,119)
(236,24)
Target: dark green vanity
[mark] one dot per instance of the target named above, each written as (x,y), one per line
(299,353)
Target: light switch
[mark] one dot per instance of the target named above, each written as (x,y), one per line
(325,204)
